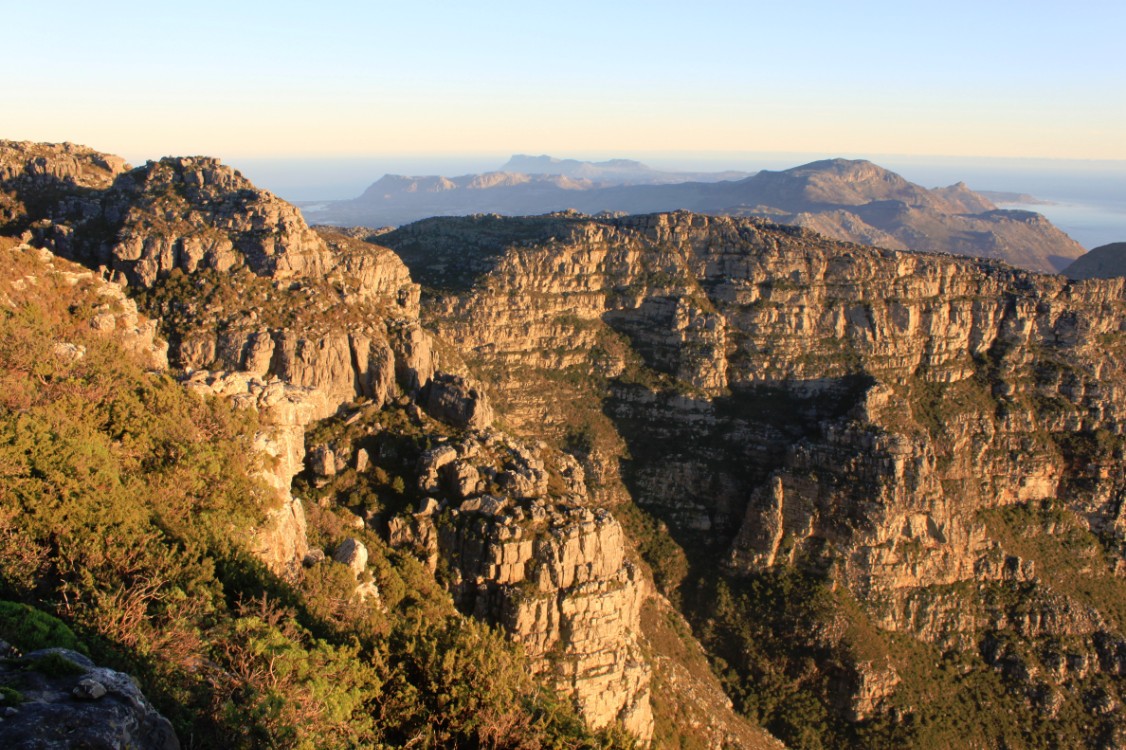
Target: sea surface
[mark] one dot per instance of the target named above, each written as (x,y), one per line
(1084,198)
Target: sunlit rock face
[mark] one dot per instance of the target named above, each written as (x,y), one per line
(923,433)
(798,401)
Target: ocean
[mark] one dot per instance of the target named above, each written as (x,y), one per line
(1085,199)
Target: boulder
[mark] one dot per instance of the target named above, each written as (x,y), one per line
(354,554)
(454,400)
(78,706)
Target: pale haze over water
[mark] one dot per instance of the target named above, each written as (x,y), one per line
(1082,197)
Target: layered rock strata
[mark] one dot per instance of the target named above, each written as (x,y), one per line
(296,325)
(804,402)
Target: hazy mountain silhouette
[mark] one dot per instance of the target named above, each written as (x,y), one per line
(852,200)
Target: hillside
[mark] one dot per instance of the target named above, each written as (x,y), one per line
(558,481)
(1105,262)
(854,201)
(311,342)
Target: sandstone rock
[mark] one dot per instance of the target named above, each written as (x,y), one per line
(368,592)
(490,505)
(433,459)
(217,220)
(322,461)
(281,542)
(565,592)
(352,553)
(88,689)
(451,399)
(462,478)
(939,389)
(427,506)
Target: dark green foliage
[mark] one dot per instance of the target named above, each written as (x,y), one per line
(28,629)
(663,555)
(763,631)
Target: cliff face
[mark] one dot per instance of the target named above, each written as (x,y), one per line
(923,431)
(300,325)
(511,525)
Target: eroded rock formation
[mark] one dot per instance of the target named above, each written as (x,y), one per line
(895,421)
(932,444)
(523,551)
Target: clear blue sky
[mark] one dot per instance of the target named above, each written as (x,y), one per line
(1028,79)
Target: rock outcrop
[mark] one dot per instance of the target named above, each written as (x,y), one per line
(523,552)
(114,314)
(42,180)
(451,399)
(57,698)
(871,461)
(284,412)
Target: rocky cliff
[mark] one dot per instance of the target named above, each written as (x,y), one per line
(512,526)
(883,488)
(921,433)
(300,325)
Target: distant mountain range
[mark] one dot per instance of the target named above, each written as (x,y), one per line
(852,200)
(613,171)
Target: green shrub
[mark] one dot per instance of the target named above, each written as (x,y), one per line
(29,629)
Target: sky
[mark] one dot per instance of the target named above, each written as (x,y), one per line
(585,79)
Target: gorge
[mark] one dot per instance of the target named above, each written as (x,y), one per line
(719,482)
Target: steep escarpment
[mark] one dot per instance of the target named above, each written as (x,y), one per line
(883,489)
(295,327)
(155,515)
(888,450)
(510,527)
(344,328)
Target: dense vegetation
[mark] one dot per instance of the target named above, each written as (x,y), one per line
(125,503)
